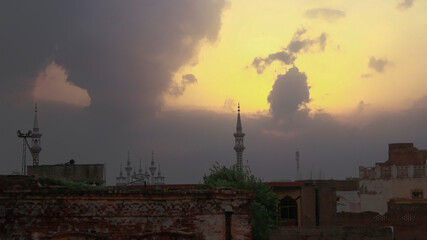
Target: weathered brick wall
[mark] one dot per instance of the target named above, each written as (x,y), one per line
(333,233)
(62,213)
(408,218)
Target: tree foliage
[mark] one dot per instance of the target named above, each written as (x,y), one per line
(263,208)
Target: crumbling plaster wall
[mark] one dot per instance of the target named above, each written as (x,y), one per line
(375,193)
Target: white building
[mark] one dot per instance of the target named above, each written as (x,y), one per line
(140,177)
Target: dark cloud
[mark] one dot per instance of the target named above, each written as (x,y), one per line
(288,55)
(378,64)
(123,54)
(290,92)
(330,15)
(298,43)
(179,89)
(261,63)
(405,4)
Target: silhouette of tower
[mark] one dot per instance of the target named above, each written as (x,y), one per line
(152,168)
(298,167)
(238,138)
(128,169)
(35,142)
(159,179)
(121,180)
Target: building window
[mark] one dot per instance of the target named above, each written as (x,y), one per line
(289,210)
(417,194)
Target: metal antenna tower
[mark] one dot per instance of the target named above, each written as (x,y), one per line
(29,134)
(298,167)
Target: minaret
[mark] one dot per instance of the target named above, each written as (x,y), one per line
(128,169)
(35,142)
(238,138)
(140,165)
(152,168)
(160,179)
(147,176)
(120,181)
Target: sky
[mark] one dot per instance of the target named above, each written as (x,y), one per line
(335,80)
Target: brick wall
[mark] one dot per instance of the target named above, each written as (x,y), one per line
(333,233)
(28,211)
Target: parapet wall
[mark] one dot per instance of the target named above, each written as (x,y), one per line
(110,213)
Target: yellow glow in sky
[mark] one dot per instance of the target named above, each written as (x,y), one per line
(258,28)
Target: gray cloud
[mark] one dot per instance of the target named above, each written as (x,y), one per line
(288,55)
(361,106)
(123,54)
(290,92)
(378,64)
(297,44)
(125,59)
(327,14)
(261,63)
(179,89)
(405,4)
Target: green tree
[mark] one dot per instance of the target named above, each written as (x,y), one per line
(263,208)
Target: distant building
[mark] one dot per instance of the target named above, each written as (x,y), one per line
(140,177)
(92,174)
(402,176)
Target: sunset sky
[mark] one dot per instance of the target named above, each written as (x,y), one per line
(336,80)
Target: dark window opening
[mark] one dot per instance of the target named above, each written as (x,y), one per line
(289,210)
(228,226)
(418,194)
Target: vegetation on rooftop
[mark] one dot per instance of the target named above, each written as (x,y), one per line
(263,208)
(47,181)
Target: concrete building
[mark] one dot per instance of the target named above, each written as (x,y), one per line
(402,176)
(93,174)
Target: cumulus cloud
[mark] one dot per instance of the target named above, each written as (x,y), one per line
(289,94)
(378,64)
(405,4)
(51,84)
(327,14)
(288,55)
(179,89)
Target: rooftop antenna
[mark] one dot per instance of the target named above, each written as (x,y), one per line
(298,166)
